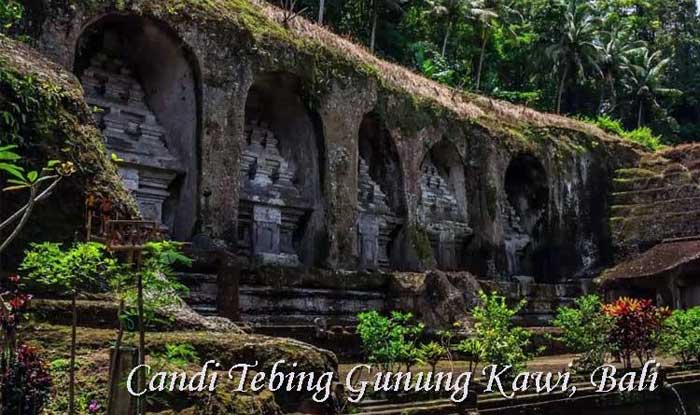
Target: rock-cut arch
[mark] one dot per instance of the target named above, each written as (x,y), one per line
(525,214)
(145,86)
(381,197)
(281,209)
(442,207)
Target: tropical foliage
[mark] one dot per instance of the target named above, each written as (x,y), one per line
(637,328)
(631,60)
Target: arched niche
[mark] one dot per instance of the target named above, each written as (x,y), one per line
(381,196)
(281,217)
(145,85)
(527,197)
(442,207)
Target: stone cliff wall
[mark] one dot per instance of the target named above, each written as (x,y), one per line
(231,64)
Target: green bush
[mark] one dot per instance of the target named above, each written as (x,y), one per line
(610,125)
(11,12)
(389,340)
(431,353)
(680,337)
(502,343)
(585,330)
(85,266)
(644,137)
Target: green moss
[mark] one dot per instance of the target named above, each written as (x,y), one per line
(421,243)
(43,112)
(634,173)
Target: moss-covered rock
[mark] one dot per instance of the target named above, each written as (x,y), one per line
(44,114)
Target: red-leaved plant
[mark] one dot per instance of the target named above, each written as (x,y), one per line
(638,324)
(25,382)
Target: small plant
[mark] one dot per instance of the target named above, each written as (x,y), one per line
(473,351)
(388,340)
(585,330)
(26,383)
(13,302)
(637,328)
(83,266)
(289,11)
(681,335)
(11,12)
(177,355)
(645,137)
(502,343)
(431,353)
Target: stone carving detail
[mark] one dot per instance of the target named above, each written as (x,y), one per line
(439,213)
(271,207)
(376,221)
(132,132)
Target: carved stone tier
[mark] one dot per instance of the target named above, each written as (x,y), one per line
(439,213)
(376,222)
(132,132)
(271,208)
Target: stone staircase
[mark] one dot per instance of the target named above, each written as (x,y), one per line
(658,200)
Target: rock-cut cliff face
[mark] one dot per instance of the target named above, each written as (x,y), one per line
(294,146)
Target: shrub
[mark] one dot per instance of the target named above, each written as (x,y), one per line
(431,353)
(388,340)
(585,329)
(644,136)
(502,343)
(610,125)
(681,335)
(26,383)
(176,355)
(472,350)
(11,12)
(637,328)
(84,266)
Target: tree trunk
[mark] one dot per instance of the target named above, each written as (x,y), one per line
(142,332)
(560,88)
(640,113)
(320,11)
(73,336)
(481,58)
(375,13)
(447,36)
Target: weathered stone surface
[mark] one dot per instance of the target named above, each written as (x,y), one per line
(239,56)
(656,200)
(437,298)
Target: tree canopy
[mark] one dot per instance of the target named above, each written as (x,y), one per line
(636,61)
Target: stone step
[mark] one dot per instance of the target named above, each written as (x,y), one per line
(665,206)
(637,184)
(654,195)
(655,227)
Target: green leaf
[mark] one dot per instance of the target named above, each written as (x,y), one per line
(32,176)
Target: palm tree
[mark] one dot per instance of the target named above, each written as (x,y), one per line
(577,47)
(477,11)
(614,62)
(376,10)
(644,81)
(321,7)
(450,11)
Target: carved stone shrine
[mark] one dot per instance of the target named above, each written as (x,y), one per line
(439,213)
(271,206)
(376,222)
(132,132)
